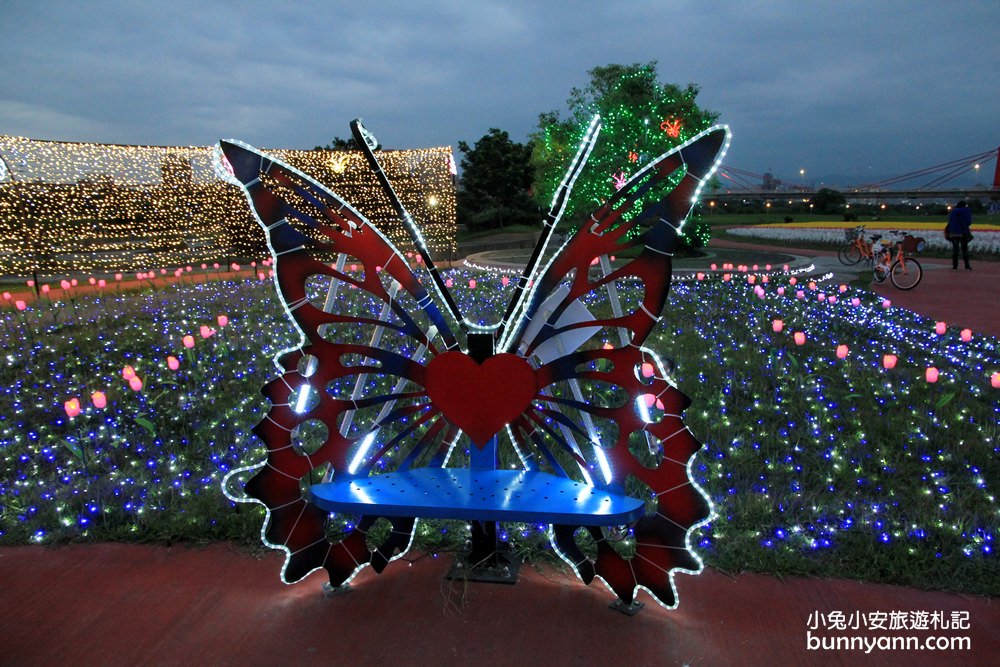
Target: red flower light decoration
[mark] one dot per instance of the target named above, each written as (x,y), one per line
(672,127)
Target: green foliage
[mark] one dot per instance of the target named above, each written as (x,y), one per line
(496,181)
(829,201)
(339,144)
(696,232)
(636,112)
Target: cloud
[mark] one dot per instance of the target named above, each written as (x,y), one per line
(832,85)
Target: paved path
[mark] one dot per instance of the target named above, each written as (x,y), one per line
(960,298)
(126,604)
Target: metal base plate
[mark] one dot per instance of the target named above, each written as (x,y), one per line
(500,569)
(628,609)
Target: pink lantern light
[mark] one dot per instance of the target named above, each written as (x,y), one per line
(20,304)
(172,363)
(72,407)
(135,384)
(128,373)
(472,284)
(889,361)
(842,351)
(647,370)
(223,320)
(777,326)
(931,374)
(781,291)
(800,338)
(886,303)
(504,280)
(940,328)
(995,380)
(188,341)
(206,331)
(966,335)
(99,400)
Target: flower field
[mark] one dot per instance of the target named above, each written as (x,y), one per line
(122,410)
(986,235)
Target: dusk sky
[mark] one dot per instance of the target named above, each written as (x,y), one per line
(859,89)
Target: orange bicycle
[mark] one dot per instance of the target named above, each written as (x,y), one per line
(891,260)
(856,248)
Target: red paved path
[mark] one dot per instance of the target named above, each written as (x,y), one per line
(120,604)
(960,298)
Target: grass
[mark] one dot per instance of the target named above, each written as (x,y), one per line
(816,465)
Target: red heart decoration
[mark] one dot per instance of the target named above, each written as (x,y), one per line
(482,398)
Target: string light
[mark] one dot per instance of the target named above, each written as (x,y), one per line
(74,207)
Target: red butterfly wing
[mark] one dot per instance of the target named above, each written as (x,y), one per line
(607,410)
(367,322)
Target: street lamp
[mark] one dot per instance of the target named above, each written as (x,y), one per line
(977,174)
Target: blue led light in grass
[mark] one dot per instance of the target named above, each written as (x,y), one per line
(789,431)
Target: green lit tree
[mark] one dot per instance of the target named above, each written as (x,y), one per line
(642,119)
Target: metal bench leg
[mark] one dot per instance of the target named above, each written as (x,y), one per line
(486,561)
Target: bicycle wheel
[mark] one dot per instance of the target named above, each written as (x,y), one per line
(849,254)
(906,273)
(880,272)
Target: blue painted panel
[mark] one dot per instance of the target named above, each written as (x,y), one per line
(481,495)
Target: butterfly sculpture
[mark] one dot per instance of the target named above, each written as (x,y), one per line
(557,414)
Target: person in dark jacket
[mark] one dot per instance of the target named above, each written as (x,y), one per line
(959,223)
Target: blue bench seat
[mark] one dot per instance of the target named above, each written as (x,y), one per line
(479,495)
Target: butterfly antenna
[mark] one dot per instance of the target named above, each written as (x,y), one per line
(559,201)
(366,140)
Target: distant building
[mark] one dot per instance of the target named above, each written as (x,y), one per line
(770,183)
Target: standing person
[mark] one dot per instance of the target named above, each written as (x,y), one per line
(959,233)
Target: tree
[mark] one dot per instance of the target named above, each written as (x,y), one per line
(496,182)
(829,201)
(339,144)
(641,118)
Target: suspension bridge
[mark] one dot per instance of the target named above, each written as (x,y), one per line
(935,182)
